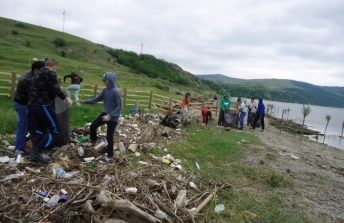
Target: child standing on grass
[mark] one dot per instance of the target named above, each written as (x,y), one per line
(112,111)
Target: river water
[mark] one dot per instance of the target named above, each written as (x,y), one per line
(315,120)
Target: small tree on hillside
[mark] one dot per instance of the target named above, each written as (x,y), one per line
(305,110)
(341,135)
(328,118)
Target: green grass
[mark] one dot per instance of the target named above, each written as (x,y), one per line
(257,194)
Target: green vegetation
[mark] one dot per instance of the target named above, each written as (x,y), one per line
(256,195)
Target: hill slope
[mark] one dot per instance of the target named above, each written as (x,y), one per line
(279,90)
(21,42)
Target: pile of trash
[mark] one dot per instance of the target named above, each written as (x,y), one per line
(80,186)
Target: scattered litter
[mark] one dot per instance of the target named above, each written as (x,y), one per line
(121,147)
(181,197)
(53,201)
(5,143)
(219,208)
(13,176)
(143,163)
(81,151)
(11,147)
(132,190)
(100,146)
(4,159)
(89,159)
(63,191)
(18,158)
(193,185)
(197,165)
(32,170)
(294,157)
(137,154)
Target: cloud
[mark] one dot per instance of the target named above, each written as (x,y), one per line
(287,39)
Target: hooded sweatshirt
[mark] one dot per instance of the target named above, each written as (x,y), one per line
(261,107)
(111,97)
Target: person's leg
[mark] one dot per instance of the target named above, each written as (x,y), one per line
(49,128)
(255,121)
(22,126)
(249,116)
(95,124)
(262,121)
(111,126)
(242,116)
(221,117)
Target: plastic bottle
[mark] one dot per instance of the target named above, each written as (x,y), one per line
(60,172)
(81,151)
(53,201)
(100,146)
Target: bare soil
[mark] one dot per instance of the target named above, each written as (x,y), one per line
(315,170)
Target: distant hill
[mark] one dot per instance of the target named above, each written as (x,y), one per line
(279,90)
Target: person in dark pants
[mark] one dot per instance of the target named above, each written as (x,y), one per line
(45,87)
(225,105)
(21,100)
(260,114)
(112,111)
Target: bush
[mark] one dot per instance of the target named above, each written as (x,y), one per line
(20,25)
(27,43)
(63,54)
(276,180)
(59,42)
(15,32)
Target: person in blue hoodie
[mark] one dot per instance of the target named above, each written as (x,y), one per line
(260,114)
(112,111)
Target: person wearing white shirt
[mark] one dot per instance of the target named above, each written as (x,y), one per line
(252,108)
(242,114)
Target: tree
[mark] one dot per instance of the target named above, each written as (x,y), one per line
(328,118)
(305,110)
(341,135)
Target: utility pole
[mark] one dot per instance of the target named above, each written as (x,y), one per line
(141,49)
(63,20)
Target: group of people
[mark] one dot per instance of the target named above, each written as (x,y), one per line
(35,106)
(254,112)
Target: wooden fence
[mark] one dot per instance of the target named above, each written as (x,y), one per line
(145,99)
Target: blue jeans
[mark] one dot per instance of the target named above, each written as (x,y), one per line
(22,125)
(242,117)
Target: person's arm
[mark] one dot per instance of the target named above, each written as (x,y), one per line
(81,79)
(95,99)
(65,77)
(118,108)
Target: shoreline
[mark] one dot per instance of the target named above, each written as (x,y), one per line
(316,170)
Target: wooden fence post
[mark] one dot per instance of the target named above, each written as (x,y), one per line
(150,100)
(95,92)
(170,105)
(217,106)
(125,97)
(13,84)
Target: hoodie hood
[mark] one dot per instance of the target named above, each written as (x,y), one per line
(260,100)
(111,77)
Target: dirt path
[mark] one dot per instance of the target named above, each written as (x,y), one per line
(317,171)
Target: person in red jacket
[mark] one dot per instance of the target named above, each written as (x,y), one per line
(206,114)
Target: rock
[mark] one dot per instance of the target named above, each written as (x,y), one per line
(162,215)
(244,141)
(4,159)
(166,132)
(133,147)
(5,143)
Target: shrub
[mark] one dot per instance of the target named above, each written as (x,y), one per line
(20,25)
(27,43)
(63,54)
(15,32)
(59,42)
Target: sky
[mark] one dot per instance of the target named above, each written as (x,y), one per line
(252,39)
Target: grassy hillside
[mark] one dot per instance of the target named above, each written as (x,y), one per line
(21,42)
(279,90)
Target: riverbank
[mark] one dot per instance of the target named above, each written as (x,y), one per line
(316,170)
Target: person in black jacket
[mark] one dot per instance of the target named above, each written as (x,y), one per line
(74,87)
(21,99)
(45,88)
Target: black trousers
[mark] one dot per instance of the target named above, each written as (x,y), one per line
(261,117)
(44,125)
(111,126)
(221,118)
